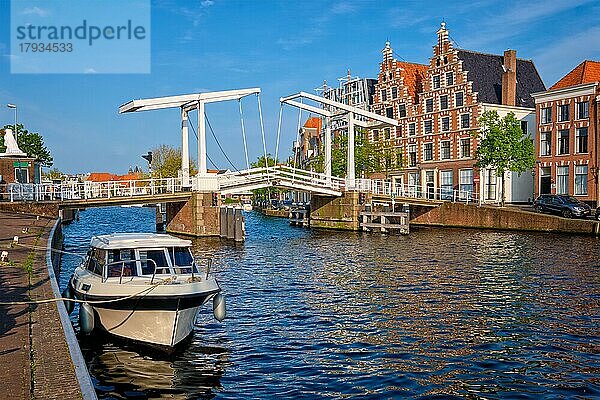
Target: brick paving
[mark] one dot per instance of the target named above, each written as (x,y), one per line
(34,356)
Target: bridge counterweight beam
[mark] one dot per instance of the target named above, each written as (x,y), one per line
(185,149)
(201,140)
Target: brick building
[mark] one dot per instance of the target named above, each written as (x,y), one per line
(438,106)
(309,145)
(568,125)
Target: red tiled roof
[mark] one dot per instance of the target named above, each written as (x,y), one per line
(413,75)
(106,176)
(586,72)
(100,177)
(314,122)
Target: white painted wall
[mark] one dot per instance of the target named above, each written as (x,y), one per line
(519,189)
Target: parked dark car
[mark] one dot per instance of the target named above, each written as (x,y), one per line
(567,206)
(597,216)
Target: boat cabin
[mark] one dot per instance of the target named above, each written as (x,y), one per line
(149,254)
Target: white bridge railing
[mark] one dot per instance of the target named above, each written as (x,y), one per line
(231,182)
(88,190)
(388,188)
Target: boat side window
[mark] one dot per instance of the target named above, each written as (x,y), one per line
(158,256)
(117,260)
(182,260)
(96,261)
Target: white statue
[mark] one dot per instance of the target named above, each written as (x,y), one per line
(12,148)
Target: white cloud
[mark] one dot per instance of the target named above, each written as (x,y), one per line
(207,3)
(344,7)
(90,71)
(40,12)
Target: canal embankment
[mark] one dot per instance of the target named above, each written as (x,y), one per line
(458,215)
(39,354)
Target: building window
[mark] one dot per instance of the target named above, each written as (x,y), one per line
(449,79)
(582,110)
(21,175)
(581,180)
(428,152)
(563,112)
(375,135)
(436,81)
(581,140)
(399,131)
(402,110)
(446,185)
(563,141)
(443,102)
(466,182)
(445,124)
(546,115)
(428,126)
(465,148)
(490,184)
(445,150)
(465,121)
(389,112)
(412,155)
(383,95)
(458,99)
(386,133)
(545,143)
(412,129)
(562,179)
(429,105)
(524,127)
(394,92)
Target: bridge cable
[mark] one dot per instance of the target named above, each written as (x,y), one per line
(244,134)
(298,134)
(278,131)
(218,143)
(262,130)
(207,156)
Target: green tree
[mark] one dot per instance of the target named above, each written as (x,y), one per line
(260,161)
(503,146)
(54,173)
(31,143)
(265,193)
(166,162)
(368,157)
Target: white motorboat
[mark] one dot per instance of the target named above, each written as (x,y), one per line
(247,205)
(143,286)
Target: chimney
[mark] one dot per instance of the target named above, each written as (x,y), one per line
(509,78)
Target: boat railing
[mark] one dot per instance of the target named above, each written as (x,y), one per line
(208,261)
(123,262)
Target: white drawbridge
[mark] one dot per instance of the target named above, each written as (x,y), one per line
(254,178)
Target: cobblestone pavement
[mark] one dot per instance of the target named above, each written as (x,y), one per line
(34,357)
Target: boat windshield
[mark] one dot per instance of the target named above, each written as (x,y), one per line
(182,260)
(158,256)
(119,262)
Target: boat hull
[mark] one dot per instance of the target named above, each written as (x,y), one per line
(156,320)
(156,327)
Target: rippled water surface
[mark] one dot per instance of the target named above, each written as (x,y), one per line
(316,314)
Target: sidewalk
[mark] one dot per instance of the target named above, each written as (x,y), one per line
(34,357)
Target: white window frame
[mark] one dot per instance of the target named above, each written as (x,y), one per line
(579,175)
(560,177)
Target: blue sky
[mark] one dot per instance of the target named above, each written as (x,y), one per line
(280,46)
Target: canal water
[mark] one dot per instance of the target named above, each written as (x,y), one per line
(317,314)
